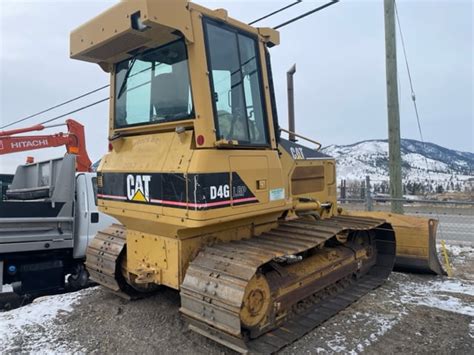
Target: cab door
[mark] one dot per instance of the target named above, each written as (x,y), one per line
(234,64)
(240,114)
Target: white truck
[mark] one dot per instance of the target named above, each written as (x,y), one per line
(49,217)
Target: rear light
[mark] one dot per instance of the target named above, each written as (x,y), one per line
(200,140)
(111,147)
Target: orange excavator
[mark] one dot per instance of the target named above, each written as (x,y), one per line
(74,140)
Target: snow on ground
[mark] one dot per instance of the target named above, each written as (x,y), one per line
(397,299)
(7,288)
(460,252)
(380,324)
(442,294)
(448,294)
(32,328)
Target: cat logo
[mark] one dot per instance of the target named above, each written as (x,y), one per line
(138,188)
(297,153)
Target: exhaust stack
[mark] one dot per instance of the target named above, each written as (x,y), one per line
(291,102)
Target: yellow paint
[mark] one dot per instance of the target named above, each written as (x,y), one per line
(147,252)
(447,264)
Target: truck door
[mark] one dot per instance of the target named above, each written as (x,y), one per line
(88,218)
(97,220)
(81,225)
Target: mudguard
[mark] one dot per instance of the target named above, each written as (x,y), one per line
(415,238)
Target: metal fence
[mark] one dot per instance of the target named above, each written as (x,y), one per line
(456,217)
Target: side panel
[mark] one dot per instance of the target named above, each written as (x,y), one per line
(34,234)
(154,256)
(254,170)
(310,175)
(254,173)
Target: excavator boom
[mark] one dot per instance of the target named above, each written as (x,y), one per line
(74,140)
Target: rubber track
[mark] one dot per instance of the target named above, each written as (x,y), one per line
(214,284)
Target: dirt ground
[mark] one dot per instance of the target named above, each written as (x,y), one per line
(408,314)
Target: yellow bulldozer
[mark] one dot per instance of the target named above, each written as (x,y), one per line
(212,201)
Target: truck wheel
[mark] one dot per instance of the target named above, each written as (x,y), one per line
(79,279)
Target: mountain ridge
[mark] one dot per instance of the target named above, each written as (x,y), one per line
(420,161)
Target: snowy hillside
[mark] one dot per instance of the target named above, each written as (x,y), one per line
(419,163)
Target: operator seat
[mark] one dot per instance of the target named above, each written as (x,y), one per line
(170,94)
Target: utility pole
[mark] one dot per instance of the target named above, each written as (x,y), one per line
(394,153)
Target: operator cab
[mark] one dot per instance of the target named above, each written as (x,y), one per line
(181,65)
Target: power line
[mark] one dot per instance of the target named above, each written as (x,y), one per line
(74,111)
(413,96)
(106,86)
(56,106)
(305,14)
(275,12)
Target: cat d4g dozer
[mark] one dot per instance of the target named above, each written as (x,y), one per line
(212,201)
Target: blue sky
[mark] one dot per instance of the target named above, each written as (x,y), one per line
(339,83)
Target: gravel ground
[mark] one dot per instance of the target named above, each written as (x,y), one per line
(408,314)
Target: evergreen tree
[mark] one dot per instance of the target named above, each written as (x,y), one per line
(439,189)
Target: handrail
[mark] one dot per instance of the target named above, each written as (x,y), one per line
(303,137)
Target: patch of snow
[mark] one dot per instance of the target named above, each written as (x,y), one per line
(443,294)
(383,323)
(32,328)
(335,344)
(453,286)
(458,251)
(377,323)
(416,160)
(7,288)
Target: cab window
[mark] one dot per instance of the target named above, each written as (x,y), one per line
(236,85)
(153,87)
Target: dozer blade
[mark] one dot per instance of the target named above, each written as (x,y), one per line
(416,241)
